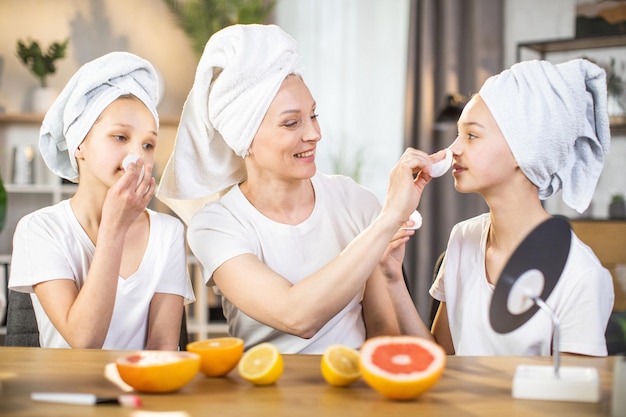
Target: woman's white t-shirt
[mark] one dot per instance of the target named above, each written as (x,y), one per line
(232,226)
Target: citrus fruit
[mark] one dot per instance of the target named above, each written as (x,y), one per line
(401,367)
(261,364)
(218,356)
(158,371)
(340,365)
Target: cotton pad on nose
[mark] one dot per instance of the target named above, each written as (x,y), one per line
(130,159)
(439,168)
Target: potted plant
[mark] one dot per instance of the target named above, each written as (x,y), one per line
(199,19)
(617,207)
(41,64)
(615,89)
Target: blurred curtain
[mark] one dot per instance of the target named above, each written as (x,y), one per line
(454,45)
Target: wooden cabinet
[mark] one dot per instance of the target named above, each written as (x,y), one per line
(607,238)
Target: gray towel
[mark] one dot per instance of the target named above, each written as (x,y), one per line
(555,120)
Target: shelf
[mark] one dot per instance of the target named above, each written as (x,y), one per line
(618,124)
(25,118)
(36,118)
(563,45)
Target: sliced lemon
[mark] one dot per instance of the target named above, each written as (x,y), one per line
(261,364)
(340,365)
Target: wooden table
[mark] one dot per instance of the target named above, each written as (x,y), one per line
(470,386)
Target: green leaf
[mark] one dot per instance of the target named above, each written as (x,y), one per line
(200,19)
(39,63)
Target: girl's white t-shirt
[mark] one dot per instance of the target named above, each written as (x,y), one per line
(51,244)
(582,300)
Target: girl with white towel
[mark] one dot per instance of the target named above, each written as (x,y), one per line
(531,131)
(104,271)
(292,251)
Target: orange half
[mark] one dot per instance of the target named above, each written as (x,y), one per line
(218,356)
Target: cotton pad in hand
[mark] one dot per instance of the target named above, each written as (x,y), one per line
(439,168)
(130,159)
(417,219)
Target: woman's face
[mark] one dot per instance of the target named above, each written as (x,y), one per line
(483,162)
(126,126)
(285,144)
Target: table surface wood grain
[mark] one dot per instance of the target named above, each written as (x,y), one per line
(470,386)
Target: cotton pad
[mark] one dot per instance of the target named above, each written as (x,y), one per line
(417,218)
(439,168)
(130,159)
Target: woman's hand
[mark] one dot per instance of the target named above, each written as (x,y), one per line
(407,181)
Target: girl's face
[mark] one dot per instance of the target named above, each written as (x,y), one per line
(284,146)
(125,127)
(483,162)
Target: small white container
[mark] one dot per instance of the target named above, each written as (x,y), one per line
(23,164)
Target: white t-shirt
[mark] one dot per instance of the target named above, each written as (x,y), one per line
(231,226)
(51,244)
(582,300)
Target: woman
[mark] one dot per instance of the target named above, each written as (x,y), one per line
(292,251)
(531,131)
(103,270)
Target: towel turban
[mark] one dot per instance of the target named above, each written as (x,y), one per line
(90,90)
(240,72)
(555,120)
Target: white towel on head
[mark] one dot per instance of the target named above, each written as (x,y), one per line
(555,120)
(90,90)
(239,74)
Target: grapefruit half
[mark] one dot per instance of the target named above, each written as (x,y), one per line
(158,371)
(401,367)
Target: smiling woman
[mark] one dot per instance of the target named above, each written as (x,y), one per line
(292,251)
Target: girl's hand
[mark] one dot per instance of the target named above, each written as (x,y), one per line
(129,196)
(390,263)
